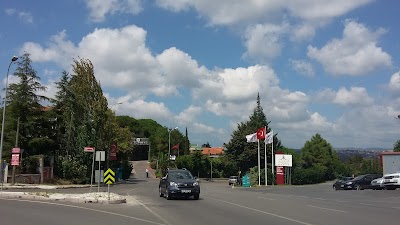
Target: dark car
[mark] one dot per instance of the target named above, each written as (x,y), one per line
(361,182)
(339,184)
(179,183)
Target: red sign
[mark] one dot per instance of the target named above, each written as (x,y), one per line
(113,152)
(16,151)
(280,173)
(15,160)
(88,149)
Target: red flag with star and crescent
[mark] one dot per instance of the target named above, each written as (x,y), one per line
(261,133)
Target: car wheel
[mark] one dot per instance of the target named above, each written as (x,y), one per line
(196,197)
(334,188)
(160,192)
(167,195)
(358,187)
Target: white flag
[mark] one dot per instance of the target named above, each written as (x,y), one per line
(269,137)
(251,137)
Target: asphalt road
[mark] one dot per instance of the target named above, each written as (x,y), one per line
(218,204)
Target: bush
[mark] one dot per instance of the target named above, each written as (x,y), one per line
(126,169)
(74,170)
(312,175)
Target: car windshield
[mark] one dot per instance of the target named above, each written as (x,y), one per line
(180,175)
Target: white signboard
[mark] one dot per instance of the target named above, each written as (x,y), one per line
(100,156)
(141,141)
(283,160)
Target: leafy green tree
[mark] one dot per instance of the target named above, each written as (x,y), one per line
(396,146)
(319,152)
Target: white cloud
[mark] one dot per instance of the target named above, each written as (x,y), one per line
(302,32)
(264,41)
(140,109)
(180,67)
(303,67)
(394,84)
(355,54)
(356,96)
(316,10)
(100,8)
(25,17)
(189,114)
(229,12)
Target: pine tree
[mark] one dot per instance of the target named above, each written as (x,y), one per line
(24,103)
(245,154)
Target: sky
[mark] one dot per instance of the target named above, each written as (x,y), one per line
(320,66)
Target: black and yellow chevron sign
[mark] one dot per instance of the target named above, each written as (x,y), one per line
(109,176)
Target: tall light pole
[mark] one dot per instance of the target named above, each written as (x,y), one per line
(13,59)
(169,140)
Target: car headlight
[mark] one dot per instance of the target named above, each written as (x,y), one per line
(173,184)
(196,183)
(348,183)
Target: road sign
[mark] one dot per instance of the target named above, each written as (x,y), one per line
(113,152)
(101,156)
(141,141)
(283,160)
(16,150)
(109,176)
(88,149)
(15,160)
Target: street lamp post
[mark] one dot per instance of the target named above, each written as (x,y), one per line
(169,141)
(13,59)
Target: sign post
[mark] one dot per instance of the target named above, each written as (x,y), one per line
(92,150)
(109,178)
(101,157)
(14,161)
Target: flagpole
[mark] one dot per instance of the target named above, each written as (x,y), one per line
(272,156)
(265,157)
(259,174)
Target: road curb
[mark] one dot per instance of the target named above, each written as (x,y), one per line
(55,197)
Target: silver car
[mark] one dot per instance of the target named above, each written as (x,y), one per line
(378,184)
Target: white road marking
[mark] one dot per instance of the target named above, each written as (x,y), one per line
(267,198)
(80,207)
(260,211)
(151,211)
(327,208)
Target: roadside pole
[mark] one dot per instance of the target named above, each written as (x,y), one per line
(16,146)
(92,150)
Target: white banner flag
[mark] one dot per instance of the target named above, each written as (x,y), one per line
(269,137)
(251,137)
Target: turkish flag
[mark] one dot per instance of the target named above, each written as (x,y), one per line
(261,133)
(175,147)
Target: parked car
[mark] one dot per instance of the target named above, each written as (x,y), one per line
(179,182)
(361,182)
(392,181)
(233,180)
(339,184)
(378,184)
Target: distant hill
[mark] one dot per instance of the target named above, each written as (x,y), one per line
(345,153)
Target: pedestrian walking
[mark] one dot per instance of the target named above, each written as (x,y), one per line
(147,173)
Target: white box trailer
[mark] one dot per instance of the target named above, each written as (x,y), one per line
(390,162)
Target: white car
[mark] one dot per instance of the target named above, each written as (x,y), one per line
(392,181)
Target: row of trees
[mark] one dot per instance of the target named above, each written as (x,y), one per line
(79,116)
